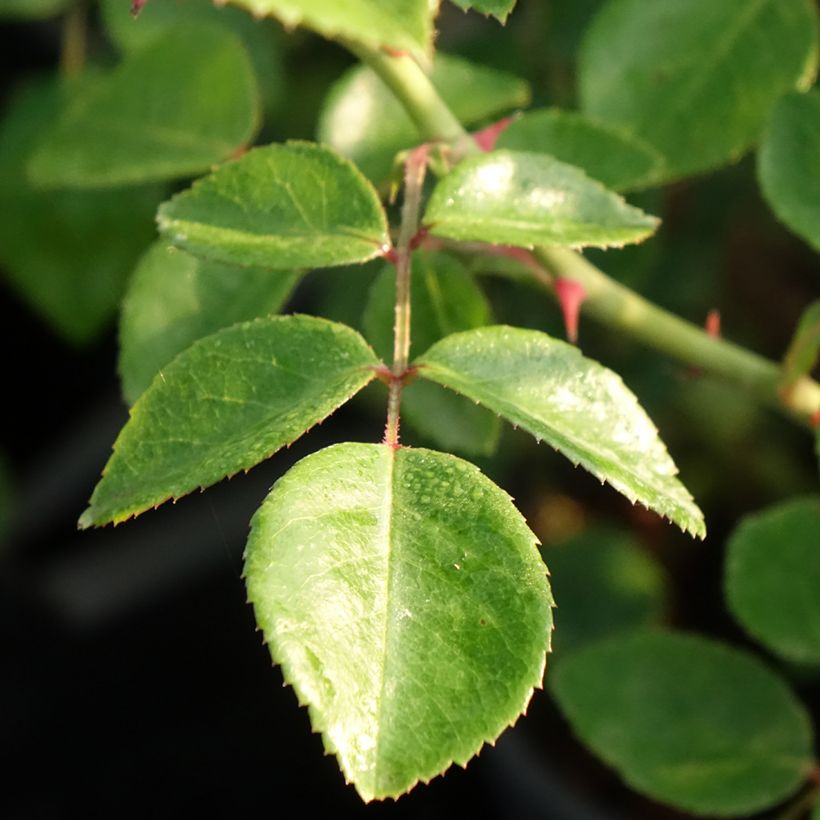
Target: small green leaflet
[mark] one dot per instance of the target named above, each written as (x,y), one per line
(297,205)
(773,578)
(688,721)
(171,110)
(404,25)
(581,408)
(362,119)
(31,8)
(404,597)
(173,299)
(525,199)
(226,403)
(445,299)
(617,160)
(720,66)
(498,8)
(67,253)
(604,584)
(804,349)
(790,146)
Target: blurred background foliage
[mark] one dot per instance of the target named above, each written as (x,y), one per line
(134,683)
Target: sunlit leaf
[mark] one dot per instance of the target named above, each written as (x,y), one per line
(581,408)
(404,597)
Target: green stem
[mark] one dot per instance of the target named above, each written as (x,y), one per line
(801,807)
(607,301)
(74,40)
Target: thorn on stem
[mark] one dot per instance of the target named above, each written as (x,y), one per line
(487,137)
(136,7)
(571,295)
(712,324)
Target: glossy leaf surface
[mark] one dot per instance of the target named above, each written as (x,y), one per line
(617,160)
(603,584)
(445,299)
(67,253)
(404,25)
(362,119)
(497,8)
(719,67)
(773,578)
(578,406)
(226,403)
(404,597)
(173,299)
(525,199)
(174,109)
(790,147)
(296,205)
(687,721)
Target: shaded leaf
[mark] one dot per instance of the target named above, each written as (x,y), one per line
(581,408)
(773,578)
(173,299)
(790,146)
(365,563)
(173,109)
(405,25)
(687,721)
(362,119)
(445,299)
(804,349)
(603,583)
(694,78)
(525,199)
(67,253)
(619,161)
(296,205)
(260,38)
(226,403)
(497,8)
(31,8)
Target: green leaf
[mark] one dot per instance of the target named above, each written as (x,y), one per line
(67,253)
(603,583)
(695,78)
(815,815)
(773,578)
(790,146)
(362,119)
(31,8)
(174,109)
(615,159)
(226,403)
(404,597)
(525,199)
(804,349)
(404,25)
(687,721)
(174,299)
(581,408)
(445,299)
(260,38)
(296,205)
(498,8)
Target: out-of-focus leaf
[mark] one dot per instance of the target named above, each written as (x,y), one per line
(404,597)
(362,119)
(31,8)
(773,578)
(524,199)
(173,299)
(67,253)
(688,721)
(801,357)
(694,78)
(173,109)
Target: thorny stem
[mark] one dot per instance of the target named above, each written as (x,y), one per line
(73,40)
(414,172)
(607,301)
